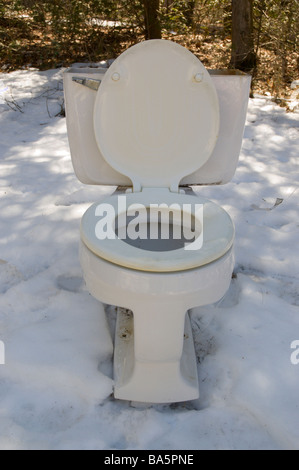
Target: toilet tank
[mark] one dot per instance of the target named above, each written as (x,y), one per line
(90,166)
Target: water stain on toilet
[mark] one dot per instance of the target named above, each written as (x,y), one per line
(126,328)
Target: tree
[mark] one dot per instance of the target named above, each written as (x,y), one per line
(151,19)
(243,56)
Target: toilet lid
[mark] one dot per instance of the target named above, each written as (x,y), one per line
(156,114)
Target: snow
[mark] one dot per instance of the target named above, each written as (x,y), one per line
(56,384)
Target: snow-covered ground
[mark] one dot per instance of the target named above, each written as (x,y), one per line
(56,383)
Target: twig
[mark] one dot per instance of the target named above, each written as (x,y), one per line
(12,104)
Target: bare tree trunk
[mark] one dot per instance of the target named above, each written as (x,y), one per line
(243,56)
(151,19)
(189,12)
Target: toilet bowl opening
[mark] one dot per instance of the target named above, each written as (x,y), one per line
(158,229)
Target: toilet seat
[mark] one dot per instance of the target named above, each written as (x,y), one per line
(218,235)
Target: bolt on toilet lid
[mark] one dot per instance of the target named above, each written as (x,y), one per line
(156,114)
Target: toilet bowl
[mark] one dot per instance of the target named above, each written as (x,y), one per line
(155,122)
(215,226)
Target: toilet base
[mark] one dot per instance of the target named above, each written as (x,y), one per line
(137,380)
(154,354)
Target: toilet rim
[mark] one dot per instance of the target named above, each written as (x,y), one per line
(217,232)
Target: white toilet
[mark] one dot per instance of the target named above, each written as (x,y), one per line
(155,122)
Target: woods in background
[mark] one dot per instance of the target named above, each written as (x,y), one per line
(256,36)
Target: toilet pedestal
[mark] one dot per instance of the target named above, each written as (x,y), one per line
(162,367)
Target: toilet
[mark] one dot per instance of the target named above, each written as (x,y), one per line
(155,123)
